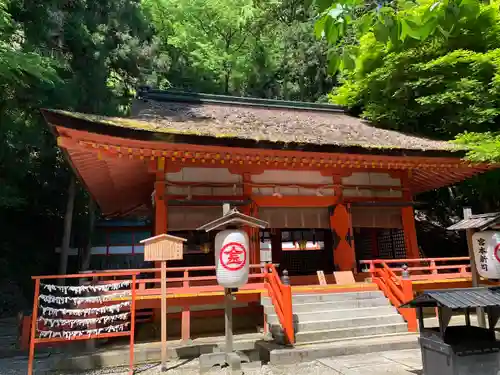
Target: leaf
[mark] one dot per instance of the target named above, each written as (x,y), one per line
(331,31)
(348,60)
(333,63)
(381,32)
(409,28)
(365,22)
(319,27)
(323,5)
(469,8)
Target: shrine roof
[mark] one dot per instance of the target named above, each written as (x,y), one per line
(217,120)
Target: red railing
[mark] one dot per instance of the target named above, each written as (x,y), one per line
(425,268)
(38,322)
(188,283)
(398,290)
(281,297)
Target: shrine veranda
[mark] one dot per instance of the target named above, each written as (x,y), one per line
(334,189)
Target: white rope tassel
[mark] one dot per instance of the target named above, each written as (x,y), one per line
(116,308)
(80,300)
(68,335)
(78,290)
(82,322)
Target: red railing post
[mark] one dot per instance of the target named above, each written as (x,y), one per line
(407,288)
(132,324)
(186,312)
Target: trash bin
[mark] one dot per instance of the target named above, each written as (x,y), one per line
(459,350)
(464,350)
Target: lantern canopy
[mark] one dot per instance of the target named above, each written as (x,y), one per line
(232,258)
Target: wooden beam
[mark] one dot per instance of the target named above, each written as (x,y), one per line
(294,201)
(68,221)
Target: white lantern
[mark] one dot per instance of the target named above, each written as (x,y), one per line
(486,246)
(232,258)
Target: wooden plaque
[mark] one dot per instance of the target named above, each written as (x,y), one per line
(321,278)
(163,247)
(344,277)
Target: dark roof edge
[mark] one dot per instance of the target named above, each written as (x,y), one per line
(54,117)
(147,93)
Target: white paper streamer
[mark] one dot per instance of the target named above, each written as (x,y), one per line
(86,288)
(86,332)
(116,308)
(82,322)
(79,300)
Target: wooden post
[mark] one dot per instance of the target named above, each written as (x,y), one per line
(68,220)
(34,323)
(160,249)
(163,316)
(87,250)
(481,321)
(132,324)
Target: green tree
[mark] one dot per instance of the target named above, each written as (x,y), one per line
(78,55)
(424,67)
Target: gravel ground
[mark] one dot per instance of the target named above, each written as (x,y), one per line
(399,362)
(18,366)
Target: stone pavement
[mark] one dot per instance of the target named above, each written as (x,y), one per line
(401,362)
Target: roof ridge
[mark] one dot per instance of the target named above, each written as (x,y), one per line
(148,93)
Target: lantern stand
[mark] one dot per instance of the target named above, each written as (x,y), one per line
(231,220)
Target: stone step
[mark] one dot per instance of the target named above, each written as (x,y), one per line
(323,325)
(279,355)
(333,305)
(313,316)
(351,332)
(329,297)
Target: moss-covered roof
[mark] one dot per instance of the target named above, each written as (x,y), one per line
(259,120)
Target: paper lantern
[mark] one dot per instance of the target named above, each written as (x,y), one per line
(232,258)
(486,247)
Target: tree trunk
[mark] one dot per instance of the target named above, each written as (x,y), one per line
(87,249)
(68,220)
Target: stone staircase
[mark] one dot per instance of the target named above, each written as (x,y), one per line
(327,324)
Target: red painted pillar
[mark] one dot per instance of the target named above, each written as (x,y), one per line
(340,223)
(410,232)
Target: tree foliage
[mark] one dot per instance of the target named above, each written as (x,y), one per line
(424,67)
(263,49)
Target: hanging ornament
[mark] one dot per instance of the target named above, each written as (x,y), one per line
(81,289)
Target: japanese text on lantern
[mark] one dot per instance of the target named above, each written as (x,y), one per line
(483,261)
(233,256)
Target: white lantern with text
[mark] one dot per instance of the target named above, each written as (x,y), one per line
(486,246)
(232,258)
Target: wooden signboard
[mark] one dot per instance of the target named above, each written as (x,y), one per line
(321,277)
(344,277)
(162,248)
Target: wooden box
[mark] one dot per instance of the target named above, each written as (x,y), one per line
(163,247)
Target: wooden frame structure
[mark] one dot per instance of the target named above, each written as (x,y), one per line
(35,324)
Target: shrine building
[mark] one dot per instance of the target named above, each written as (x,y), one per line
(334,190)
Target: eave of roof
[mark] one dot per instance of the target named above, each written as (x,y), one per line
(457,298)
(478,221)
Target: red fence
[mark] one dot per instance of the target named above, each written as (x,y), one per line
(281,297)
(425,268)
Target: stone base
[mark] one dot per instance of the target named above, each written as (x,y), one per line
(231,360)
